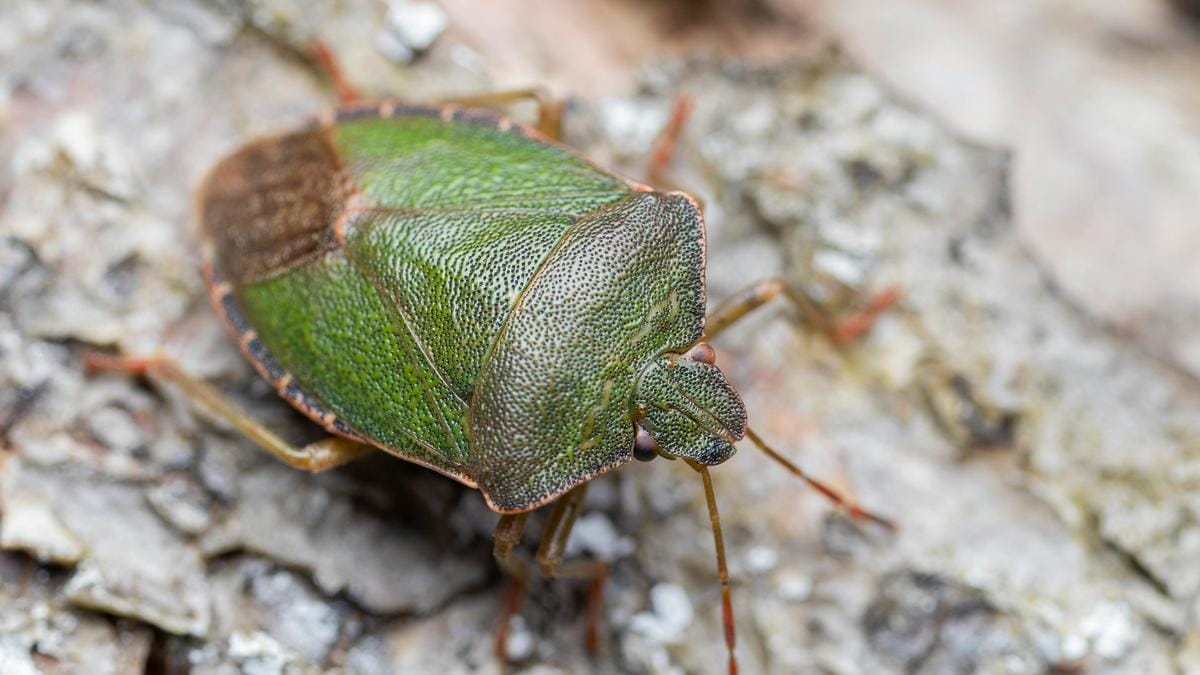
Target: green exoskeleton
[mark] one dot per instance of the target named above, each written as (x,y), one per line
(464,292)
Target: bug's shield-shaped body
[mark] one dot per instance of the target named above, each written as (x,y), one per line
(458,291)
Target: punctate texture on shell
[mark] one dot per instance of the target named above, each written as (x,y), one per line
(453,288)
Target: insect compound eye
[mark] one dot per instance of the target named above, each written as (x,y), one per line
(645,448)
(702,352)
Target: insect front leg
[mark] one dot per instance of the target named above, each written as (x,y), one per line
(505,538)
(318,456)
(840,331)
(554,547)
(550,562)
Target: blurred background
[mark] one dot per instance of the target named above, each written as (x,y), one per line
(1027,172)
(1097,99)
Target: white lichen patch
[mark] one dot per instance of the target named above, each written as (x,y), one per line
(410,29)
(29,524)
(671,614)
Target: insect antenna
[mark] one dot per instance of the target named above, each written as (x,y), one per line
(722,569)
(852,507)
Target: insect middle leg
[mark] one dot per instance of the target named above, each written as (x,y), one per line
(505,538)
(550,109)
(321,455)
(839,331)
(550,562)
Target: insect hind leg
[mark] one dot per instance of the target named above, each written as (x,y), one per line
(315,457)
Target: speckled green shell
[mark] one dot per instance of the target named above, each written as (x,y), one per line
(457,290)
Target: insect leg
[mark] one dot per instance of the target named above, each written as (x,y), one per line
(550,559)
(667,142)
(839,331)
(325,58)
(849,328)
(558,530)
(506,536)
(722,569)
(852,507)
(319,456)
(550,109)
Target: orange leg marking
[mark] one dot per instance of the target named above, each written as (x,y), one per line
(595,607)
(97,362)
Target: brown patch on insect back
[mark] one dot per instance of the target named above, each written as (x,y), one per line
(268,207)
(223,301)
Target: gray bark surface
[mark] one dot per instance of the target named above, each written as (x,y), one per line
(1042,470)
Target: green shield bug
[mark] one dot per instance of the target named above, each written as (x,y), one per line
(467,293)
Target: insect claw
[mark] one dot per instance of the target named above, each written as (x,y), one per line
(853,327)
(860,513)
(99,362)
